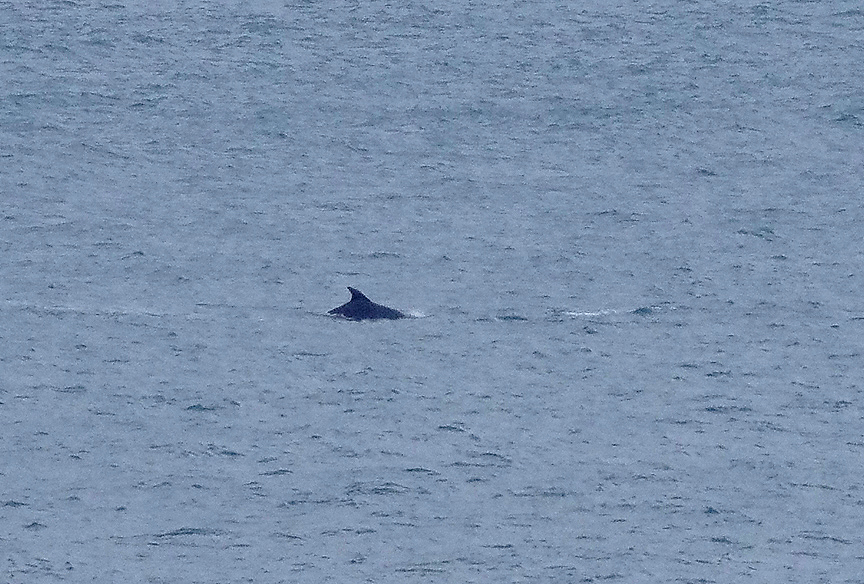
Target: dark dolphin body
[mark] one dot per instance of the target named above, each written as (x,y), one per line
(360,307)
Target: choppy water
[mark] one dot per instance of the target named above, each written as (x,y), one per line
(632,232)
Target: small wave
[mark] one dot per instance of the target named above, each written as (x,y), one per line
(594,313)
(67,309)
(516,317)
(640,310)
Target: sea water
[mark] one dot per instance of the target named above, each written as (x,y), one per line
(629,234)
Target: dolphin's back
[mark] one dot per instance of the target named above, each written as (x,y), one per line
(361,308)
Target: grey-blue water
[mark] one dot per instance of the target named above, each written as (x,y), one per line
(630,235)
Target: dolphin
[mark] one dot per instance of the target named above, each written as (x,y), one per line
(360,307)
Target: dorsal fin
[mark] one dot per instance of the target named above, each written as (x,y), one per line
(356,294)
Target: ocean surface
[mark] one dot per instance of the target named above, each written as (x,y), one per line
(629,235)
